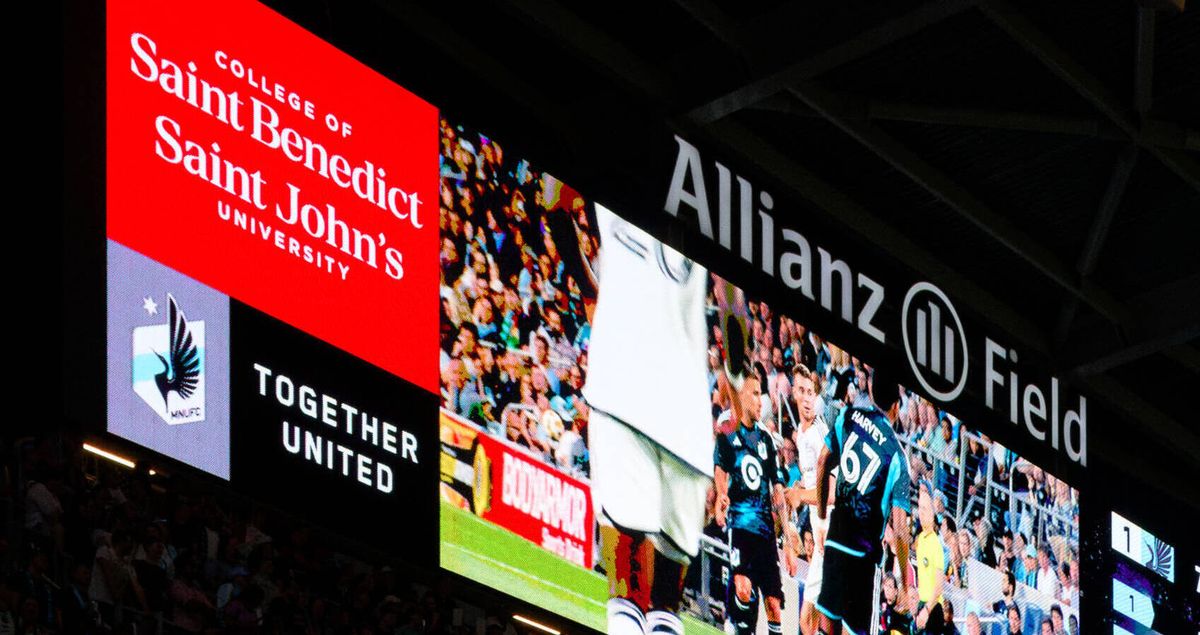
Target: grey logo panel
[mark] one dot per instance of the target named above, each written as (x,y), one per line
(167,361)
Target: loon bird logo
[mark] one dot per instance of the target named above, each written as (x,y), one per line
(182,372)
(168,366)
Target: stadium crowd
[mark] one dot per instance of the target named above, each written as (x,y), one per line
(96,547)
(514,340)
(513,312)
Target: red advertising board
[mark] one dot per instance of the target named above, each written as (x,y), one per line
(250,155)
(536,501)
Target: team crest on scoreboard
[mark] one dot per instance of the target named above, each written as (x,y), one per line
(168,364)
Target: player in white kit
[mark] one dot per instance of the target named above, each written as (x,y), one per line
(809,437)
(650,429)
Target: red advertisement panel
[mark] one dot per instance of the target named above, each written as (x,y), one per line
(537,502)
(248,154)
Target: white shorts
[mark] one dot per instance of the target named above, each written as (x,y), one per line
(637,485)
(812,583)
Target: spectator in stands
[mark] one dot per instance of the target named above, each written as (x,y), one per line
(152,576)
(964,555)
(1014,619)
(985,541)
(33,583)
(894,616)
(1074,580)
(975,464)
(239,579)
(1006,558)
(1047,627)
(43,509)
(79,614)
(947,528)
(974,627)
(570,452)
(27,619)
(954,561)
(190,607)
(948,611)
(241,615)
(113,577)
(1009,589)
(1065,590)
(1027,570)
(1046,580)
(1056,620)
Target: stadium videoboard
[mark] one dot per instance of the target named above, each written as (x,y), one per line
(695,410)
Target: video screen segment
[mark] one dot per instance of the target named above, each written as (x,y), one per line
(627,438)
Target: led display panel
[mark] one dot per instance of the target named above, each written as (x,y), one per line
(614,413)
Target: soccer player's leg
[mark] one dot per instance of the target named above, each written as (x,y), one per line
(767,579)
(684,493)
(742,605)
(840,580)
(860,596)
(744,592)
(627,497)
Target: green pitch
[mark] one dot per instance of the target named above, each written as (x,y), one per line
(502,560)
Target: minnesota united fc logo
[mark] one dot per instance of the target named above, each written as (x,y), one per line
(168,364)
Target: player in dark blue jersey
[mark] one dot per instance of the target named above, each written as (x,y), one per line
(873,488)
(750,505)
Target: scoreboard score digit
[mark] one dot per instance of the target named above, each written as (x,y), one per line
(1142,547)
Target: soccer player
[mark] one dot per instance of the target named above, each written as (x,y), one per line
(750,505)
(810,440)
(650,429)
(872,490)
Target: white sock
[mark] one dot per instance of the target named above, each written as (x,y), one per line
(663,623)
(625,618)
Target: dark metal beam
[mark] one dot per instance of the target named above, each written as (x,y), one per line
(1168,319)
(1137,350)
(1097,236)
(1185,355)
(1143,68)
(1041,46)
(1108,207)
(1161,133)
(996,119)
(959,199)
(581,35)
(714,19)
(467,53)
(1115,397)
(865,43)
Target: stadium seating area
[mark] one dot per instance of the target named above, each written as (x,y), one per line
(96,547)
